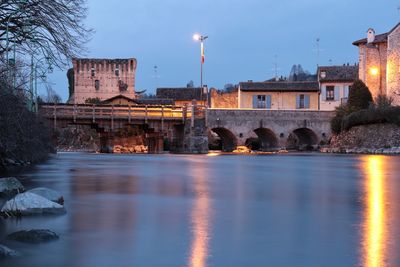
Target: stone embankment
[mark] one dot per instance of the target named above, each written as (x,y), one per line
(367,139)
(78,138)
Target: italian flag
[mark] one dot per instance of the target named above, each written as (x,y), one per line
(202,53)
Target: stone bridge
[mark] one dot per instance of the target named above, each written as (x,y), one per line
(271,129)
(187,128)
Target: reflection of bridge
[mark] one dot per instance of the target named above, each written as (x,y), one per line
(272,129)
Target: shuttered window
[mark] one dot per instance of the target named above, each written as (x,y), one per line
(303,101)
(261,101)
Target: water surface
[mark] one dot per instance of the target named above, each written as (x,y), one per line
(171,210)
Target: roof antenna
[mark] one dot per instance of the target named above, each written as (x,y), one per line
(318,51)
(398,11)
(156,76)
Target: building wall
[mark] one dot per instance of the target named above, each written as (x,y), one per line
(393,66)
(279,100)
(223,99)
(341,95)
(373,57)
(104,72)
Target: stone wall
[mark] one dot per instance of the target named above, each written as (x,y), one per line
(393,66)
(221,99)
(374,136)
(373,57)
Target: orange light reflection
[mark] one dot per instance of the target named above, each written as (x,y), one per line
(200,219)
(375,218)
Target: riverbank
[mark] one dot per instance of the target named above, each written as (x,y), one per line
(380,138)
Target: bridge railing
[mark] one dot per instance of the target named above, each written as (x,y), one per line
(95,112)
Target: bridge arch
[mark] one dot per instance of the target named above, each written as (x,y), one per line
(267,139)
(228,139)
(302,139)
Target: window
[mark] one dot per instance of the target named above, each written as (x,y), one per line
(262,101)
(302,101)
(97,85)
(330,93)
(93,72)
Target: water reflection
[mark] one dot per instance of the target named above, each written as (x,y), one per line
(375,221)
(200,217)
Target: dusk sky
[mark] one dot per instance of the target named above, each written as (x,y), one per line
(244,37)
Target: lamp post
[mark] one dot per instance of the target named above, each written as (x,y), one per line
(19,9)
(34,77)
(201,38)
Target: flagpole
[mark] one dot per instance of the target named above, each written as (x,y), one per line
(201,63)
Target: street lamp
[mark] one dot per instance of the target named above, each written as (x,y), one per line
(20,9)
(201,38)
(34,76)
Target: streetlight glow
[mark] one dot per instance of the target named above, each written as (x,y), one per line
(196,37)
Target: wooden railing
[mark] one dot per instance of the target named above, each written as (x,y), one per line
(97,112)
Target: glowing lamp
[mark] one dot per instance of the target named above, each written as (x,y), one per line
(374,71)
(196,37)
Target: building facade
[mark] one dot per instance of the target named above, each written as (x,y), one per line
(279,95)
(102,79)
(379,62)
(335,83)
(183,95)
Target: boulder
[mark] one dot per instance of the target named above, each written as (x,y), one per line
(10,186)
(34,236)
(6,252)
(30,204)
(49,194)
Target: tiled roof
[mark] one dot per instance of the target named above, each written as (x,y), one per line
(280,86)
(338,73)
(379,38)
(119,97)
(183,93)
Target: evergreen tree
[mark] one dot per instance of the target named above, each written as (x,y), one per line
(359,96)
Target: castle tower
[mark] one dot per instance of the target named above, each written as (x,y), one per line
(102,78)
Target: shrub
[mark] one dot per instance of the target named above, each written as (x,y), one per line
(336,122)
(359,96)
(372,116)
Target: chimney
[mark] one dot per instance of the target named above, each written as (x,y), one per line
(370,35)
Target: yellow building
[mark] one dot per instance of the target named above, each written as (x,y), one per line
(279,95)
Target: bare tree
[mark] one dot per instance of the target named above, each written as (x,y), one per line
(53,28)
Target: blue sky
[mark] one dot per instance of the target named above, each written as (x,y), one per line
(244,37)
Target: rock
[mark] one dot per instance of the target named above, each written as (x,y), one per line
(10,186)
(30,204)
(9,161)
(34,236)
(6,252)
(49,194)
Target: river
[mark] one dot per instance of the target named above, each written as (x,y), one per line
(216,210)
